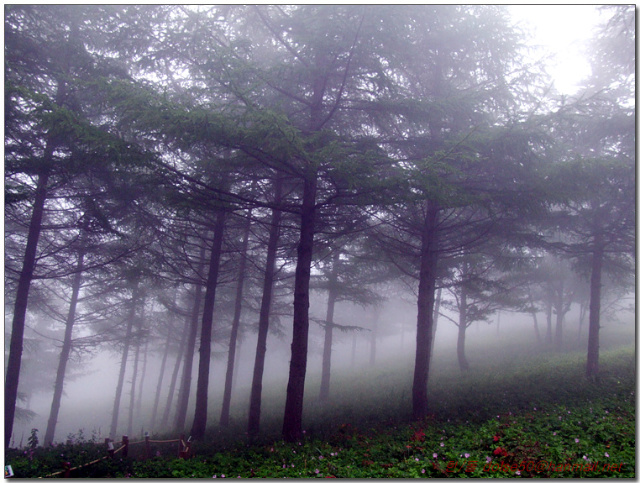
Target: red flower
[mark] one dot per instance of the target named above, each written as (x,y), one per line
(496,438)
(500,452)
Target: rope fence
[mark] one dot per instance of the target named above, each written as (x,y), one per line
(184,451)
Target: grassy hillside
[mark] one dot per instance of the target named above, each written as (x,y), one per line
(521,413)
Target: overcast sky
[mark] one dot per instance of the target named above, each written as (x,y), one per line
(564,31)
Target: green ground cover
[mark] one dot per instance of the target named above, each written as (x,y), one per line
(541,418)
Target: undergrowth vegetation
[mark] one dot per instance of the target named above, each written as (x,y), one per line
(540,418)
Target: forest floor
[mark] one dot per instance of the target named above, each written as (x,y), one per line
(541,419)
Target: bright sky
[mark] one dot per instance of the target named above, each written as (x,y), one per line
(562,30)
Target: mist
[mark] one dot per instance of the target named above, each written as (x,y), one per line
(252,223)
(87,403)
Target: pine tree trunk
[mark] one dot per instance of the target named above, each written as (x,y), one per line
(535,326)
(559,315)
(549,308)
(187,369)
(593,347)
(292,426)
(328,334)
(185,383)
(174,380)
(583,312)
(123,362)
(132,393)
(462,331)
(20,309)
(14,360)
(145,353)
(426,298)
(436,314)
(265,307)
(462,358)
(202,397)
(163,365)
(534,315)
(64,353)
(235,325)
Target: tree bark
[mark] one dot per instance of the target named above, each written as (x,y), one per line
(593,347)
(559,314)
(145,353)
(163,366)
(583,312)
(174,380)
(426,296)
(20,309)
(534,315)
(292,427)
(14,361)
(202,396)
(187,369)
(65,352)
(134,378)
(436,314)
(549,308)
(463,363)
(265,307)
(123,362)
(328,332)
(462,331)
(235,325)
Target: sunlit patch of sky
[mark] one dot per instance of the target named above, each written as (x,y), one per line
(563,31)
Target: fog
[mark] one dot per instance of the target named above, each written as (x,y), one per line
(88,398)
(379,192)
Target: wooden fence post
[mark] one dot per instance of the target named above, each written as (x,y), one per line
(67,469)
(185,447)
(147,445)
(110,449)
(180,445)
(125,443)
(187,450)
